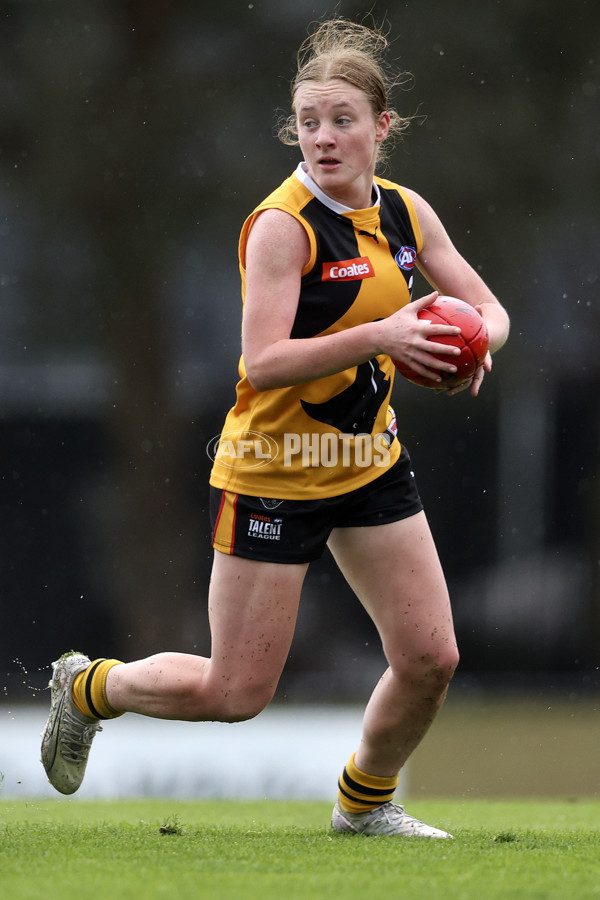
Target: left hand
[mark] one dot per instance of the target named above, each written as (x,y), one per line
(474,383)
(477,380)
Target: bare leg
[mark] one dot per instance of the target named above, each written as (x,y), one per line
(253,608)
(395,571)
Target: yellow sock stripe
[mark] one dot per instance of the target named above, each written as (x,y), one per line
(89,690)
(361,792)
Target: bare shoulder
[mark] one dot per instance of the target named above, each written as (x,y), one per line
(278,236)
(432,229)
(426,214)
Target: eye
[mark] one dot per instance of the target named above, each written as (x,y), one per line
(343,120)
(309,123)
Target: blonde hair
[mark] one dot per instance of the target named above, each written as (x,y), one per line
(340,49)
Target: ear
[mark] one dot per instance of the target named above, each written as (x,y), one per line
(382,127)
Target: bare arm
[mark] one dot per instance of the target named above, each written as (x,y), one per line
(449,273)
(277,250)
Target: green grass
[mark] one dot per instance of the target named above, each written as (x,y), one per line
(150,849)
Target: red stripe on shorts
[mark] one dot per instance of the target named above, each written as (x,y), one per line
(228,542)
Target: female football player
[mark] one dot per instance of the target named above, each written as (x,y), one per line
(309,455)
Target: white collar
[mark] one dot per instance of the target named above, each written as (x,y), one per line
(303,176)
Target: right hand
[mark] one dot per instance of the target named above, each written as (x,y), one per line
(410,340)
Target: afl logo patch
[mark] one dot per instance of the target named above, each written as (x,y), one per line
(406,258)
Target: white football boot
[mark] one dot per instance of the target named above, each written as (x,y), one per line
(68,735)
(388,819)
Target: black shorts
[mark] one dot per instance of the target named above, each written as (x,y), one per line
(296,531)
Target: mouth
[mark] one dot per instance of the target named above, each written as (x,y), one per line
(328,163)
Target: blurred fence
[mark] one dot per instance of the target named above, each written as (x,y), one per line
(511,746)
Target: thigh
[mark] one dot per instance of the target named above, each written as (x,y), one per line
(253,607)
(396,573)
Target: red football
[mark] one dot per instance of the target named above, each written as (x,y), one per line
(472,340)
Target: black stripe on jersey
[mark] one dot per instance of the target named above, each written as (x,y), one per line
(322,304)
(354,410)
(396,225)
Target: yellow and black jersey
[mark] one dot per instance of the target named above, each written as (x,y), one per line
(335,434)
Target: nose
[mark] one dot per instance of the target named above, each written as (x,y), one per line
(324,136)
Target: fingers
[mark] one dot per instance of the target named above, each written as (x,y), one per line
(473,385)
(422,302)
(476,381)
(430,366)
(432,346)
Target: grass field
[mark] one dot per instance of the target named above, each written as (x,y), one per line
(149,849)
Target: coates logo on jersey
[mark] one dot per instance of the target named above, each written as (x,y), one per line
(348,269)
(406,258)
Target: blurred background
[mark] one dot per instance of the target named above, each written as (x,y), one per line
(134,140)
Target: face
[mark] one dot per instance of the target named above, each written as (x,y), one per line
(339,135)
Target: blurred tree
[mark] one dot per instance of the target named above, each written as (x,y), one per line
(100,145)
(124,139)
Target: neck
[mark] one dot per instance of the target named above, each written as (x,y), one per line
(372,195)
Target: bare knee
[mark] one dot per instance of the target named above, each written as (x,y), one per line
(444,666)
(429,670)
(242,705)
(228,701)
(445,661)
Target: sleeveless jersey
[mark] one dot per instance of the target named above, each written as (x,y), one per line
(337,433)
